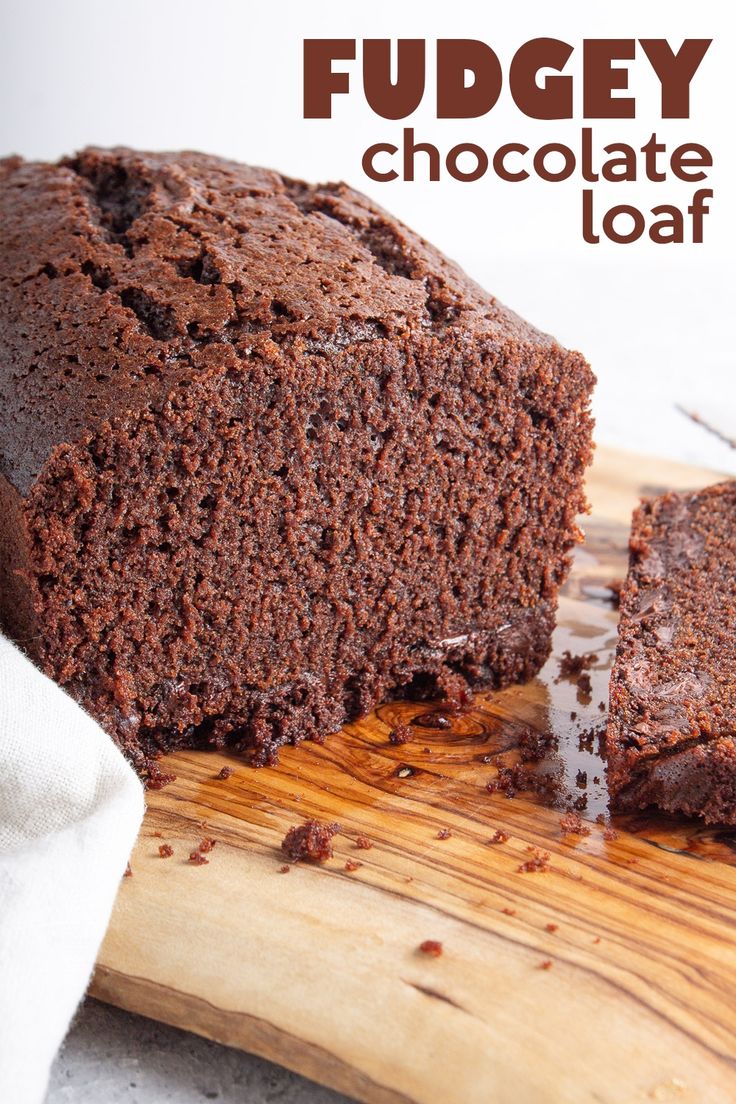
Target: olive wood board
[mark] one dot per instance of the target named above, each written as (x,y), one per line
(608,977)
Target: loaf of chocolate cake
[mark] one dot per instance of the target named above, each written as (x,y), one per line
(266,456)
(672,721)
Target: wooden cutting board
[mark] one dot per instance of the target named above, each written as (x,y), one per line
(609,976)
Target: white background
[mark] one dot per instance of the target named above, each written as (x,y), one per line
(225,76)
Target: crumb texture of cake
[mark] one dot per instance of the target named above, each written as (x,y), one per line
(266,456)
(671,738)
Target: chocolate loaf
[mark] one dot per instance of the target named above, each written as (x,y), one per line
(672,720)
(266,456)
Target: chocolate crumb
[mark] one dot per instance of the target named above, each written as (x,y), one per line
(431,947)
(128,872)
(352,865)
(363,843)
(224,773)
(509,780)
(534,746)
(610,834)
(166,850)
(402,734)
(572,824)
(546,965)
(586,739)
(206,845)
(572,665)
(538,864)
(551,927)
(597,939)
(508,911)
(311,841)
(584,685)
(196,858)
(284,869)
(155,778)
(444,833)
(499,836)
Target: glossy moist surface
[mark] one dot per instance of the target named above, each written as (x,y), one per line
(672,720)
(267,456)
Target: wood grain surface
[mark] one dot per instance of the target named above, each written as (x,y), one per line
(608,976)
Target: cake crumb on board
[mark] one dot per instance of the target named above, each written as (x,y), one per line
(311,841)
(402,734)
(572,824)
(431,947)
(537,864)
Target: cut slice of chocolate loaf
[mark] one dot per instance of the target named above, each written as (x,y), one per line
(672,721)
(266,456)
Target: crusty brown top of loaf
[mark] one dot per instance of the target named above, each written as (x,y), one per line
(123,272)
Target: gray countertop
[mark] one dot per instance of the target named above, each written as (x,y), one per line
(113,1057)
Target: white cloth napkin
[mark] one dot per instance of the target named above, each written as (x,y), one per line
(70,809)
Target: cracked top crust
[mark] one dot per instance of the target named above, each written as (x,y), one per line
(122,273)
